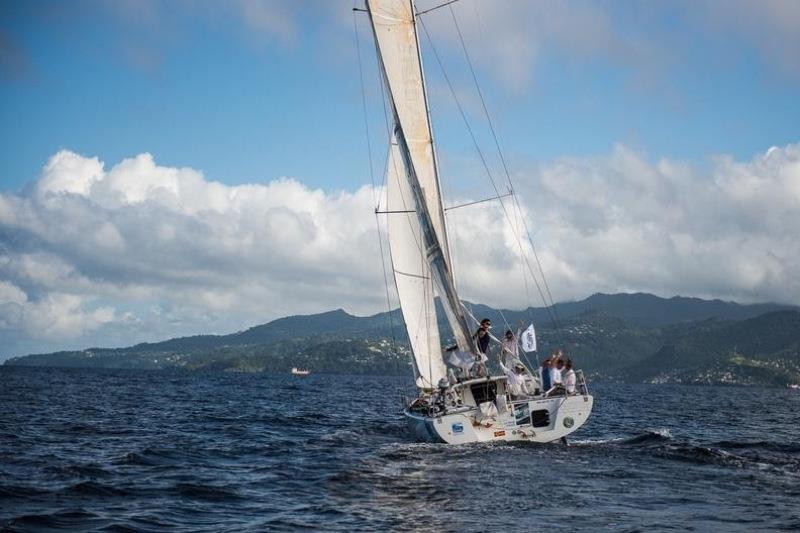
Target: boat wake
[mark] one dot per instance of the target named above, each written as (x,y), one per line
(774,457)
(648,435)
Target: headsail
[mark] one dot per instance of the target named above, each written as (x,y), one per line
(394,26)
(412,275)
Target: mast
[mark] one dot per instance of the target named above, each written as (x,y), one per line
(394,27)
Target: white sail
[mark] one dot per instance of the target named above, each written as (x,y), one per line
(412,275)
(393,23)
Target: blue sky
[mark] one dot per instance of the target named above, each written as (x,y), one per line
(182,167)
(196,85)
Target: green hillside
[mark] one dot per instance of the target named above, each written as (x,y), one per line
(602,338)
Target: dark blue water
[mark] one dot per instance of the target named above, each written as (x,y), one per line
(150,451)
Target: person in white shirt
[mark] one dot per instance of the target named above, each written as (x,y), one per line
(556,380)
(569,377)
(510,347)
(515,381)
(555,372)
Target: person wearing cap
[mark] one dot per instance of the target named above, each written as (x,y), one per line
(510,347)
(515,379)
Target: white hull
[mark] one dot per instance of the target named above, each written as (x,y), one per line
(531,420)
(298,372)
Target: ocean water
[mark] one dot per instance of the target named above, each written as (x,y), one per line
(152,451)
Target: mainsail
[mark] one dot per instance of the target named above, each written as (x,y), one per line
(418,238)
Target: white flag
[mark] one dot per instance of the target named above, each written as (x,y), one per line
(529,339)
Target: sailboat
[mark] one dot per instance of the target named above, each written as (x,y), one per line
(447,408)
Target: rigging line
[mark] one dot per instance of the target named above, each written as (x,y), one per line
(528,299)
(434,8)
(500,153)
(482,157)
(499,150)
(364,109)
(476,202)
(539,264)
(502,158)
(386,288)
(527,285)
(374,191)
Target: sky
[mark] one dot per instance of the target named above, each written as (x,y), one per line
(186,167)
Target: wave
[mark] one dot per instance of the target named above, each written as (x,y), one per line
(63,519)
(646,437)
(20,491)
(762,455)
(206,492)
(93,488)
(150,457)
(782,447)
(78,470)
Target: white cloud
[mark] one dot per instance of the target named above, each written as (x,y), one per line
(141,252)
(621,222)
(67,172)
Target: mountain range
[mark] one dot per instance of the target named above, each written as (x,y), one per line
(632,337)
